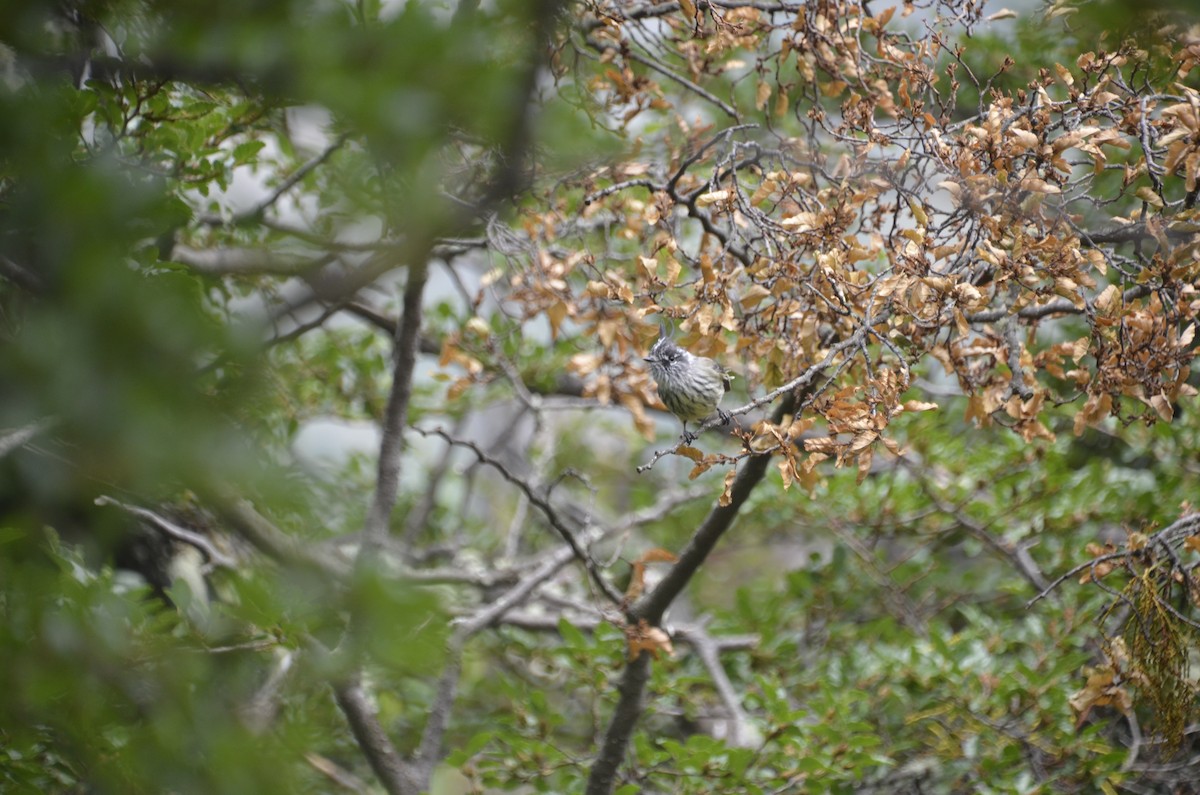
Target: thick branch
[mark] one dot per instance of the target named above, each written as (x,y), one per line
(269,539)
(620,728)
(244,261)
(652,606)
(397,776)
(387,482)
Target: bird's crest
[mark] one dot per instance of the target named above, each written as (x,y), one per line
(664,344)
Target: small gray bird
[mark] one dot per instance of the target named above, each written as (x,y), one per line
(690,386)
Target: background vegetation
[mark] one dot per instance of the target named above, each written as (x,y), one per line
(330,462)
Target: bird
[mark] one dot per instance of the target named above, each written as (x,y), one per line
(690,386)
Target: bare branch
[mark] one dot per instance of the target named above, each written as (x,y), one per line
(261,709)
(336,773)
(397,776)
(269,539)
(739,731)
(245,261)
(16,439)
(20,275)
(691,634)
(542,504)
(283,187)
(630,702)
(175,531)
(1171,535)
(391,446)
(429,752)
(651,607)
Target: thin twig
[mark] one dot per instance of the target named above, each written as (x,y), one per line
(16,439)
(336,773)
(541,503)
(204,544)
(740,731)
(1174,533)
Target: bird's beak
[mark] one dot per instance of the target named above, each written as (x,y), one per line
(649,358)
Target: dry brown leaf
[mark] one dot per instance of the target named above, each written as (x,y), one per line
(787,471)
(644,637)
(762,94)
(1147,194)
(712,197)
(1162,406)
(754,296)
(726,497)
(658,555)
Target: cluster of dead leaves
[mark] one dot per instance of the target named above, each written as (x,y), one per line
(1140,353)
(856,418)
(853,236)
(1107,684)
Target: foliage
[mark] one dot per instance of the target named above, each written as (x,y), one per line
(947,544)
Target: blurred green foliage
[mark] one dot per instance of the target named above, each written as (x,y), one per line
(123,124)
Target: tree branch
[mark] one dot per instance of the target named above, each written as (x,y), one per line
(387,482)
(16,439)
(283,187)
(429,751)
(20,275)
(269,539)
(165,525)
(739,732)
(620,727)
(540,502)
(397,776)
(652,606)
(244,261)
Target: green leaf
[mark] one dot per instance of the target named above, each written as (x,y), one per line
(245,152)
(571,635)
(477,743)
